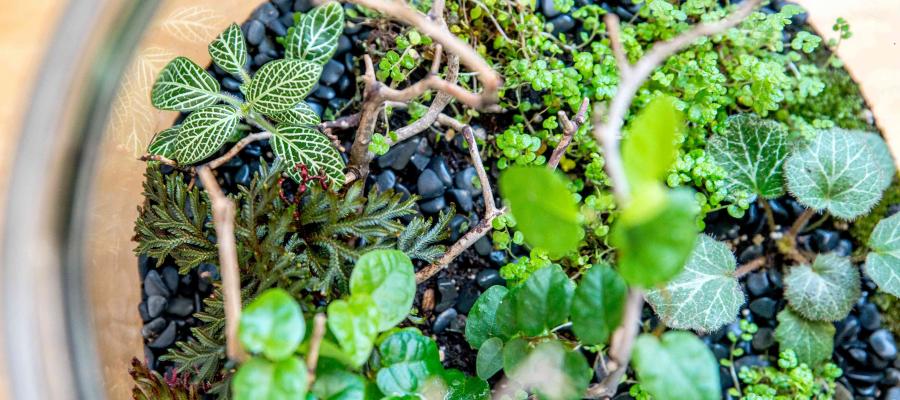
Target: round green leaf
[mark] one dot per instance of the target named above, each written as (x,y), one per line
(335,383)
(649,149)
(813,341)
(297,144)
(183,86)
(489,360)
(705,295)
(260,379)
(597,306)
(543,207)
(883,262)
(515,352)
(482,319)
(541,303)
(409,359)
(164,143)
(462,387)
(229,51)
(388,277)
(354,323)
(753,151)
(272,325)
(204,132)
(678,367)
(316,37)
(836,172)
(824,291)
(282,84)
(553,372)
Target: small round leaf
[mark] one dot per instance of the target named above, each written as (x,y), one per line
(388,277)
(489,360)
(597,306)
(354,323)
(481,323)
(272,325)
(261,379)
(678,367)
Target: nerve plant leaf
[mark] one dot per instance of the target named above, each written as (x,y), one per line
(824,291)
(544,209)
(481,324)
(205,131)
(883,262)
(272,325)
(315,39)
(302,114)
(259,378)
(183,86)
(753,151)
(836,172)
(598,304)
(678,367)
(354,323)
(229,51)
(282,84)
(705,295)
(388,277)
(165,142)
(297,145)
(813,341)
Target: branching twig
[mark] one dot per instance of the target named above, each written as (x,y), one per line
(253,137)
(159,159)
(569,129)
(312,358)
(750,266)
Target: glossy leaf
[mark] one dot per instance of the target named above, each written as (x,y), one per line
(813,341)
(553,372)
(302,114)
(183,86)
(259,379)
(752,150)
(272,325)
(678,367)
(598,304)
(335,383)
(462,387)
(515,352)
(229,51)
(387,276)
(204,132)
(298,145)
(824,291)
(409,359)
(315,38)
(282,84)
(165,142)
(705,295)
(544,209)
(883,262)
(541,303)
(482,319)
(489,360)
(354,323)
(648,149)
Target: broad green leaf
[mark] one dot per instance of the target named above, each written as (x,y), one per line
(204,132)
(297,145)
(282,84)
(335,383)
(515,352)
(482,320)
(836,172)
(649,148)
(272,325)
(654,251)
(183,86)
(705,295)
(462,387)
(260,379)
(408,359)
(489,360)
(164,143)
(678,367)
(543,207)
(813,341)
(752,150)
(302,114)
(388,277)
(882,154)
(597,306)
(883,262)
(316,37)
(229,51)
(553,372)
(541,303)
(824,291)
(354,323)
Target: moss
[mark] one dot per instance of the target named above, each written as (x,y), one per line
(862,228)
(890,311)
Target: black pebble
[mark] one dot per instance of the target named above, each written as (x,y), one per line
(868,377)
(230,83)
(869,318)
(429,184)
(149,358)
(142,310)
(398,156)
(276,27)
(825,240)
(892,393)
(316,106)
(757,283)
(171,278)
(763,339)
(261,59)
(242,177)
(455,226)
(489,277)
(386,180)
(844,248)
(166,338)
(344,84)
(764,307)
(443,320)
(434,205)
(463,199)
(266,12)
(283,5)
(467,297)
(325,93)
(254,31)
(498,257)
(303,5)
(549,9)
(153,327)
(720,351)
(440,168)
(156,305)
(750,253)
(332,71)
(464,180)
(420,161)
(209,272)
(267,47)
(483,246)
(859,356)
(181,307)
(846,329)
(750,361)
(154,285)
(562,24)
(448,294)
(404,192)
(882,342)
(344,45)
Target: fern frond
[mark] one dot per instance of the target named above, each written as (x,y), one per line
(420,239)
(150,385)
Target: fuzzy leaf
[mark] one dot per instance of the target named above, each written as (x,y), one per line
(481,324)
(409,360)
(489,360)
(882,154)
(229,51)
(205,131)
(543,207)
(678,367)
(836,172)
(183,86)
(297,144)
(164,144)
(539,304)
(302,114)
(648,149)
(813,341)
(272,325)
(883,262)
(705,295)
(824,291)
(354,323)
(597,305)
(282,84)
(753,151)
(388,277)
(259,378)
(315,39)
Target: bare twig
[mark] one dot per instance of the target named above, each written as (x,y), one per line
(570,127)
(253,137)
(312,358)
(434,110)
(159,159)
(223,218)
(750,266)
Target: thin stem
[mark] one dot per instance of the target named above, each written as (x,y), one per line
(312,358)
(570,127)
(801,222)
(750,266)
(770,216)
(620,347)
(234,150)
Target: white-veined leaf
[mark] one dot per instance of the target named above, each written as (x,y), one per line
(824,291)
(164,144)
(282,84)
(882,154)
(836,172)
(812,341)
(883,262)
(195,23)
(705,295)
(302,114)
(229,51)
(184,86)
(297,144)
(205,131)
(753,151)
(316,36)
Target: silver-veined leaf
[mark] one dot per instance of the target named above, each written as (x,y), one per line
(825,290)
(882,154)
(229,51)
(883,262)
(812,341)
(303,145)
(205,131)
(316,37)
(302,114)
(282,84)
(753,151)
(164,144)
(705,295)
(183,86)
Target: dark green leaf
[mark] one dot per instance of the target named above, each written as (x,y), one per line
(316,37)
(648,149)
(282,84)
(813,341)
(541,303)
(388,277)
(354,323)
(165,142)
(490,358)
(259,378)
(334,383)
(272,325)
(229,51)
(183,86)
(204,132)
(297,145)
(302,114)
(598,304)
(409,359)
(462,387)
(543,207)
(680,367)
(482,319)
(514,352)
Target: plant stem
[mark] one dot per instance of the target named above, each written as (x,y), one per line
(749,267)
(312,358)
(770,216)
(569,130)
